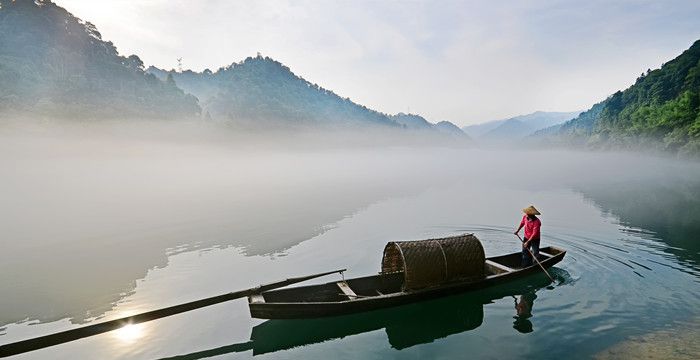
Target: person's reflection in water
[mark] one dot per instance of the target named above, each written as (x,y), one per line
(523,311)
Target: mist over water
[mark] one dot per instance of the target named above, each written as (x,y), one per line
(97,219)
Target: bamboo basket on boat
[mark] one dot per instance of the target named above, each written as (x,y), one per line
(434,262)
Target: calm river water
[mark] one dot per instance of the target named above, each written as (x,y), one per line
(93,230)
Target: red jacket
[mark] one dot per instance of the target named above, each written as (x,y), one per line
(532,227)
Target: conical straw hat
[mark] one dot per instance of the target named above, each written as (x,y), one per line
(530,210)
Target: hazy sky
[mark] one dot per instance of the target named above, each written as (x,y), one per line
(462,61)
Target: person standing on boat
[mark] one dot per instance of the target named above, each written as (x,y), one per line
(532,234)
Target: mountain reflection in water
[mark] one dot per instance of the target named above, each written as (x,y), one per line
(405,326)
(665,211)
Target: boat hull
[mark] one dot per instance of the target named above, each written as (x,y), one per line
(275,306)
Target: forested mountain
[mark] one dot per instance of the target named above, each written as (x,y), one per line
(52,63)
(412,121)
(204,85)
(660,111)
(260,91)
(418,123)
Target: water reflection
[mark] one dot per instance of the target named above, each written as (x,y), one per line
(666,211)
(72,210)
(79,230)
(405,326)
(523,312)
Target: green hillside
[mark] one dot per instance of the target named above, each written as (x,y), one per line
(54,64)
(260,91)
(661,111)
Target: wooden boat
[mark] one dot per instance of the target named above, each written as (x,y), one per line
(405,326)
(411,271)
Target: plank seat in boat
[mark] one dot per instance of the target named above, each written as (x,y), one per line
(545,254)
(345,288)
(257,298)
(498,266)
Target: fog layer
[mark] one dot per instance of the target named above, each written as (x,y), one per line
(88,208)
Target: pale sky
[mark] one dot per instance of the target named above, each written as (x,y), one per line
(462,61)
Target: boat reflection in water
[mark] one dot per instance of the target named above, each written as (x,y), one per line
(405,326)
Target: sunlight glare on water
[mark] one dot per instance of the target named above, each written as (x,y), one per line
(130,333)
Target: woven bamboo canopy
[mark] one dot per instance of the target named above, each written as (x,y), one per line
(433,262)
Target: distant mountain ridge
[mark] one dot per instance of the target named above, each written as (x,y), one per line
(412,121)
(418,123)
(517,127)
(477,130)
(449,128)
(660,111)
(260,91)
(277,95)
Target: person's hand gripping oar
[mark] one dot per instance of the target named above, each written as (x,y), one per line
(534,257)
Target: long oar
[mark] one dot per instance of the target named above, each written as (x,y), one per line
(90,330)
(535,257)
